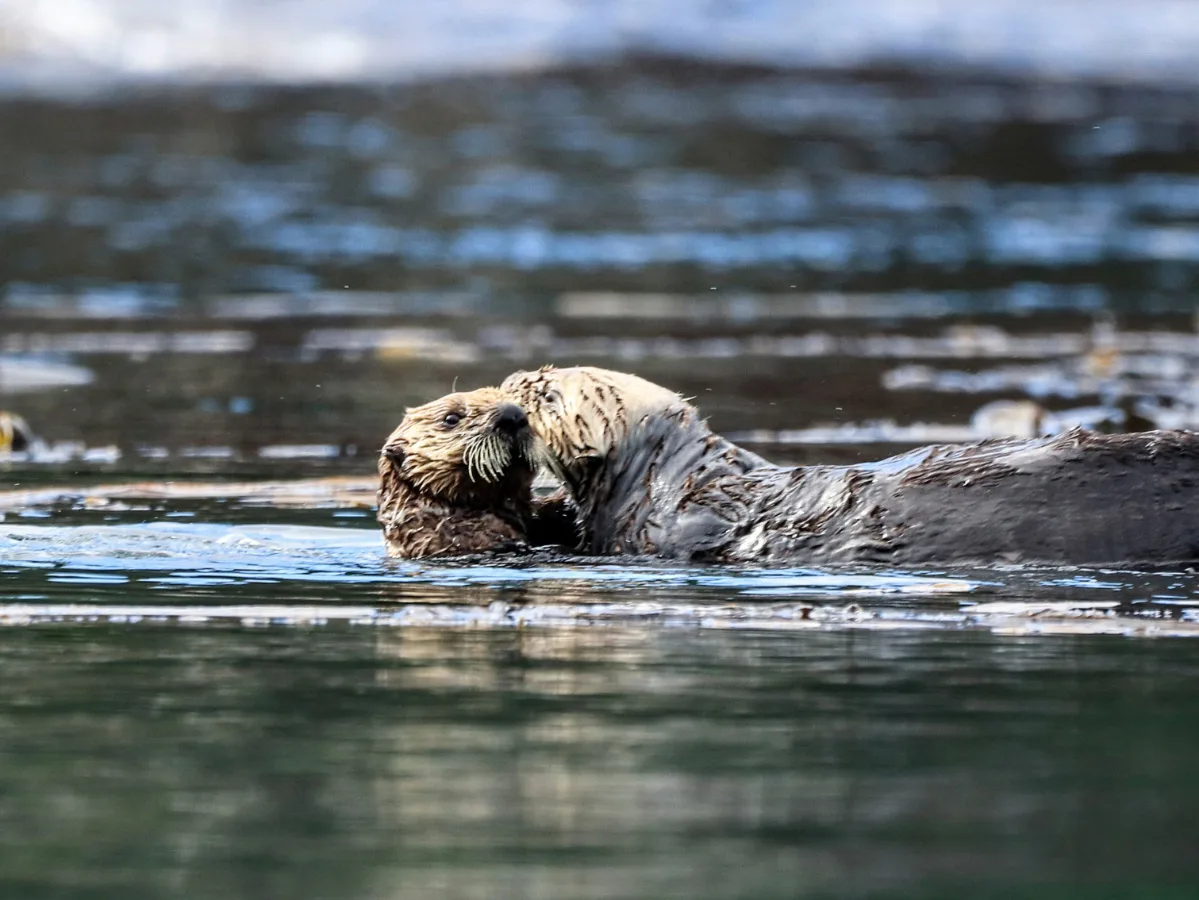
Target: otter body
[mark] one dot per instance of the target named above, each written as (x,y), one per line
(650,477)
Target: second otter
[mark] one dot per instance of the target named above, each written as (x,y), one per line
(650,477)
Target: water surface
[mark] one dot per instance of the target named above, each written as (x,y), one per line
(215,302)
(585,762)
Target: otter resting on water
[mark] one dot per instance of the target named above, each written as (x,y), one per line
(456,477)
(650,477)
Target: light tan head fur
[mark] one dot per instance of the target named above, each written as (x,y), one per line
(583,413)
(469,449)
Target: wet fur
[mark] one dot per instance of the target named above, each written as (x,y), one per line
(650,477)
(454,490)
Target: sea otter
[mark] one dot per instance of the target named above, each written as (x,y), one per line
(650,477)
(456,477)
(15,433)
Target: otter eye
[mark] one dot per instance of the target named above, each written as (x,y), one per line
(552,396)
(451,419)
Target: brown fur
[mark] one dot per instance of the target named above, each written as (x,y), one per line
(449,489)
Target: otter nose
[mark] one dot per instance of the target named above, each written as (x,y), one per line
(510,418)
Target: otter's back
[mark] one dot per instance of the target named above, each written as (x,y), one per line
(1079,498)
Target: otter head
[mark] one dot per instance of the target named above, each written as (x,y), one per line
(583,414)
(471,449)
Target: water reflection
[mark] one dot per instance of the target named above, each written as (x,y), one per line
(590,763)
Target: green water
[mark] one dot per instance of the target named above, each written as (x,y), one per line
(265,709)
(593,762)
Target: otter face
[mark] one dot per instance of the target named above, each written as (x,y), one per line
(471,448)
(582,414)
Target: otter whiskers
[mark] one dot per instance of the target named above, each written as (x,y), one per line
(491,455)
(486,459)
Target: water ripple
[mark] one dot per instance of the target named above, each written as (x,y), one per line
(191,573)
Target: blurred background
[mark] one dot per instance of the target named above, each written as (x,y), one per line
(235,235)
(238,237)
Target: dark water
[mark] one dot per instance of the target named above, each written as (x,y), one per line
(223,688)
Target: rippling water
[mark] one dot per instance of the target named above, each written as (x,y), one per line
(172,570)
(168,760)
(210,274)
(215,301)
